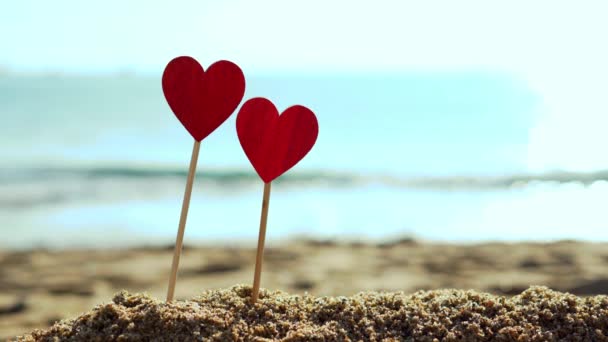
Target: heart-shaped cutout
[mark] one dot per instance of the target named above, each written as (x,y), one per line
(275,143)
(202,100)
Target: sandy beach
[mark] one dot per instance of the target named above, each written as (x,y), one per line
(40,287)
(537,314)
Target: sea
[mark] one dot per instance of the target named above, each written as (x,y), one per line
(101,161)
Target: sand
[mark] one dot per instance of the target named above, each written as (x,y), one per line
(538,314)
(40,287)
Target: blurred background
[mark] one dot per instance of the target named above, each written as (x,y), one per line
(447,122)
(459,122)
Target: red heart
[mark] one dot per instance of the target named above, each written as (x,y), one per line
(201,100)
(273,143)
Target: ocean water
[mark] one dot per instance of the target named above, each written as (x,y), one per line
(101,160)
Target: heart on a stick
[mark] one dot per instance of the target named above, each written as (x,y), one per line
(202,100)
(275,143)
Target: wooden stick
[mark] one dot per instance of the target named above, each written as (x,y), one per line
(261,239)
(182,220)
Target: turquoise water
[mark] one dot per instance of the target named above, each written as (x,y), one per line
(85,160)
(407,124)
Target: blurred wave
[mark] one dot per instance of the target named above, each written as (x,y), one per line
(221,177)
(52,185)
(29,187)
(230,177)
(502,181)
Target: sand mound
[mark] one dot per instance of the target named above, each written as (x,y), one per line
(537,314)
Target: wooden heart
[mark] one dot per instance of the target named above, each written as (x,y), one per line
(202,100)
(275,143)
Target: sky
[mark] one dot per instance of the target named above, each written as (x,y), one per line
(557,47)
